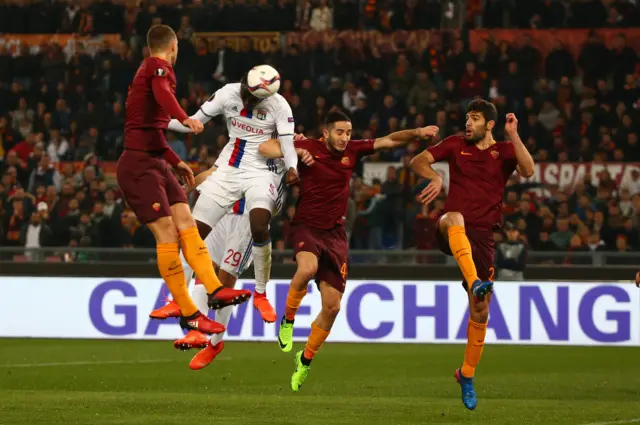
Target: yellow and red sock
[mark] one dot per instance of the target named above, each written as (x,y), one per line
(476,333)
(315,341)
(197,255)
(461,250)
(171,271)
(294,298)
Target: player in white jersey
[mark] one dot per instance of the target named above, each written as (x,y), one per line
(243,172)
(230,245)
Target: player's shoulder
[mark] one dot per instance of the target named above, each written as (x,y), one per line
(308,143)
(278,101)
(455,140)
(157,66)
(506,149)
(229,90)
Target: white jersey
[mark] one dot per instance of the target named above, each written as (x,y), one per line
(249,127)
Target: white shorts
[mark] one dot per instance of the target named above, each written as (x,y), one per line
(261,189)
(229,244)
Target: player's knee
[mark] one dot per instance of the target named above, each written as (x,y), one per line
(451,219)
(164,230)
(260,233)
(332,308)
(307,270)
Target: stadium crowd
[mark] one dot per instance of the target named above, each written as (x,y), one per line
(62,112)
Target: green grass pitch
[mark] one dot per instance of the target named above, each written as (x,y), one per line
(143,382)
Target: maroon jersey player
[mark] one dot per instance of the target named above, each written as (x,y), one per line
(317,232)
(154,193)
(479,168)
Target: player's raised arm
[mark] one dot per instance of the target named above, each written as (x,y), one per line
(525,160)
(401,138)
(209,109)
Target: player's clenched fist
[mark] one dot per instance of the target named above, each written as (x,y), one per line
(305,156)
(194,125)
(429,131)
(512,123)
(186,173)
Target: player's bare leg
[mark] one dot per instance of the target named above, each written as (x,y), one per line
(307,268)
(320,330)
(476,332)
(451,227)
(214,346)
(197,256)
(259,219)
(166,235)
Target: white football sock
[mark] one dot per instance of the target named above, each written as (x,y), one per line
(222,316)
(261,265)
(200,298)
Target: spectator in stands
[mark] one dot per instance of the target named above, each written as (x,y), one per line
(321,17)
(511,255)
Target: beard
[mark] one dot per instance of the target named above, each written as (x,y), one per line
(475,136)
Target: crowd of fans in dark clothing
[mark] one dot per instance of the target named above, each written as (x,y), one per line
(58,106)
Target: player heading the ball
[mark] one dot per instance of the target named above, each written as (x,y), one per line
(154,193)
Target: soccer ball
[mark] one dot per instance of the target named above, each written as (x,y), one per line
(263,81)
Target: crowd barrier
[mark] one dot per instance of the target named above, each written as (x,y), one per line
(384,311)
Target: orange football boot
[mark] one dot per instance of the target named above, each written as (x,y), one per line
(206,356)
(172,309)
(193,339)
(262,304)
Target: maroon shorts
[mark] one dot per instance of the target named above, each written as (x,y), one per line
(482,250)
(147,185)
(331,248)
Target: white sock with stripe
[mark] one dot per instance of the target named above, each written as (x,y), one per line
(222,316)
(200,298)
(262,265)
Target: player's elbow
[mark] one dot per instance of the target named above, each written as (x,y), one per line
(270,149)
(417,163)
(527,172)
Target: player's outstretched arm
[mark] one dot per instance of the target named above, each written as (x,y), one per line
(209,109)
(526,164)
(271,149)
(401,138)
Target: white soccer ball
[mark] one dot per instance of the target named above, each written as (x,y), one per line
(263,81)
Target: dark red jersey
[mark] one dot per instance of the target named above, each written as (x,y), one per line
(476,179)
(151,104)
(324,186)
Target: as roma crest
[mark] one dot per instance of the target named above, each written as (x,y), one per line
(345,160)
(495,154)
